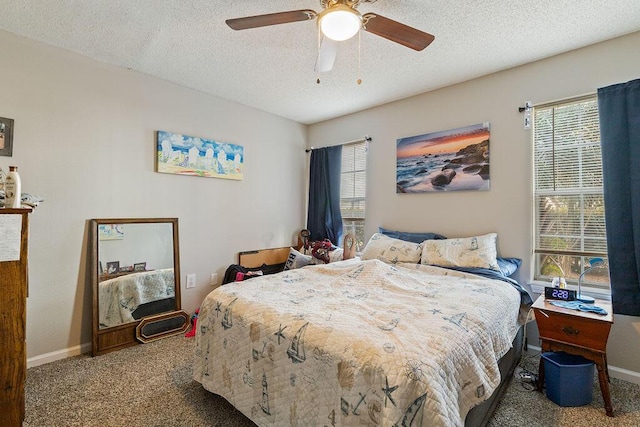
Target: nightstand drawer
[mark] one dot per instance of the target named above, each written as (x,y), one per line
(576,330)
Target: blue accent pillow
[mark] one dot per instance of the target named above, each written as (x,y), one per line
(411,237)
(508,266)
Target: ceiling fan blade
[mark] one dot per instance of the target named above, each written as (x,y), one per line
(326,55)
(271,19)
(396,32)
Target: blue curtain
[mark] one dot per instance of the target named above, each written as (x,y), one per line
(619,109)
(324,220)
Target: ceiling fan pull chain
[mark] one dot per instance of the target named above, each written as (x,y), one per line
(319,47)
(359,81)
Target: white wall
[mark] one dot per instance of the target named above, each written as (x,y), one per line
(84,140)
(506,208)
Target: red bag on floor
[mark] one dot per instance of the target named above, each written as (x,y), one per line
(194,322)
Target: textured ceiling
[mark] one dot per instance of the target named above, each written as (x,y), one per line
(271,68)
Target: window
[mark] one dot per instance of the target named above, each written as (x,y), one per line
(568,194)
(353,190)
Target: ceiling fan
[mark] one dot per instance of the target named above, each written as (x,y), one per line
(340,21)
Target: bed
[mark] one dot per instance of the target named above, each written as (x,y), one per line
(378,340)
(132,296)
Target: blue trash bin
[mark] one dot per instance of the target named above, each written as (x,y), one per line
(569,378)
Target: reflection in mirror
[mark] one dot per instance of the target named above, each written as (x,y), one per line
(125,293)
(136,274)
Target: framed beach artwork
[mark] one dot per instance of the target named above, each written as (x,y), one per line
(188,155)
(450,160)
(110,232)
(6,137)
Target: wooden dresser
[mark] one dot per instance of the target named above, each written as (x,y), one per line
(14,230)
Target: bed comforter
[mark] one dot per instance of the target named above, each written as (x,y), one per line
(120,297)
(356,343)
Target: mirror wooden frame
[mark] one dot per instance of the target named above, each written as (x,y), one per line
(175,328)
(113,338)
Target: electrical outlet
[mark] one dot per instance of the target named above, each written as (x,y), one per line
(213,279)
(191,280)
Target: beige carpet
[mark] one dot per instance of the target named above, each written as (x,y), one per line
(151,385)
(521,405)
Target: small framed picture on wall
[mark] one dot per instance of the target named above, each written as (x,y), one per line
(113,267)
(140,266)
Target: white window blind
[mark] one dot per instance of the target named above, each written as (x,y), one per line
(353,189)
(568,194)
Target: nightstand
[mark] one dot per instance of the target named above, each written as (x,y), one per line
(576,332)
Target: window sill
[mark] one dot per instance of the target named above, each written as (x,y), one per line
(537,287)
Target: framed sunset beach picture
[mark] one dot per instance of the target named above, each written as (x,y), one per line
(450,160)
(188,155)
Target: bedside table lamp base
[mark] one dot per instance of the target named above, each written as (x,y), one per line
(585,299)
(593,263)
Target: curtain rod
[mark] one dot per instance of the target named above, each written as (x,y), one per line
(559,101)
(355,141)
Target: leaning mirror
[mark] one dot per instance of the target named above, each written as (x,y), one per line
(135,273)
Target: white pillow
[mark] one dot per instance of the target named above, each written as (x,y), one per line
(297,260)
(478,251)
(336,255)
(391,250)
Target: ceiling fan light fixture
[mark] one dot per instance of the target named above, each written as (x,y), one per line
(340,22)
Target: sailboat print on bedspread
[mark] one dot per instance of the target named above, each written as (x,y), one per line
(296,350)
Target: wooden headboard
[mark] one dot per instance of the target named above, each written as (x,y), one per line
(251,259)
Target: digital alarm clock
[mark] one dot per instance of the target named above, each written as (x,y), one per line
(559,294)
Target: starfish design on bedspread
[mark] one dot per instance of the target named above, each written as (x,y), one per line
(387,392)
(218,309)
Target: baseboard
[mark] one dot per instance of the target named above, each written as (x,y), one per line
(624,374)
(614,372)
(58,355)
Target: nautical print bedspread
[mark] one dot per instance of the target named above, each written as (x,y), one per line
(119,297)
(356,343)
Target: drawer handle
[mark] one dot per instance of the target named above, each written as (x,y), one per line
(569,330)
